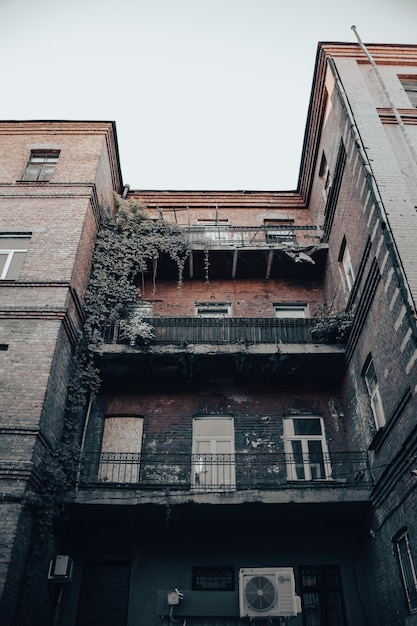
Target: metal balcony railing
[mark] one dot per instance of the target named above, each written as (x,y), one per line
(225,472)
(212,235)
(224,330)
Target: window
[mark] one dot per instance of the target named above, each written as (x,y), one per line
(410,86)
(373,391)
(324,174)
(293,310)
(213,309)
(41,165)
(216,230)
(346,263)
(407,568)
(120,450)
(333,188)
(212,578)
(321,596)
(12,255)
(306,449)
(213,459)
(280,231)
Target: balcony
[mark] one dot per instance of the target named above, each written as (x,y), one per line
(222,330)
(251,252)
(199,350)
(337,476)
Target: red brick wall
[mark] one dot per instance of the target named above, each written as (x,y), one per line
(250,298)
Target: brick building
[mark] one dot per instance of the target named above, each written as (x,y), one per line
(251,455)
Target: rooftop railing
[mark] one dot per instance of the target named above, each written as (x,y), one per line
(225,472)
(224,330)
(249,236)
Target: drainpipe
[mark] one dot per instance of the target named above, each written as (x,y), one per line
(388,97)
(401,277)
(87,419)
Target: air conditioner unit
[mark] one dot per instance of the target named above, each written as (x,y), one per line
(268,592)
(60,568)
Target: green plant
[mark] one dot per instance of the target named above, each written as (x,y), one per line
(332,326)
(136,329)
(124,248)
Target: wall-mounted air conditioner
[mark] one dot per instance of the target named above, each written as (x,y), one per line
(60,569)
(268,592)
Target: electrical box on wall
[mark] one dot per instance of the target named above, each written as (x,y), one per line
(60,568)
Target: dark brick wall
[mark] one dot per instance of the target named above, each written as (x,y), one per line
(39,319)
(257,416)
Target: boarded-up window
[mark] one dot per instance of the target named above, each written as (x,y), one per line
(120,449)
(104,594)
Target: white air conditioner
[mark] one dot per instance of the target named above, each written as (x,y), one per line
(60,568)
(268,592)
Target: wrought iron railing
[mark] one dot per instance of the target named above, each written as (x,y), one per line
(248,236)
(223,330)
(225,472)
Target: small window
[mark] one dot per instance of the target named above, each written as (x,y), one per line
(41,165)
(407,569)
(307,457)
(213,309)
(12,255)
(410,87)
(213,578)
(292,310)
(280,231)
(373,390)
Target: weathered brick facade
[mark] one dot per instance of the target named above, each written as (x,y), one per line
(237,436)
(40,317)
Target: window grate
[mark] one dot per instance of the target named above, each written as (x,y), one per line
(213,578)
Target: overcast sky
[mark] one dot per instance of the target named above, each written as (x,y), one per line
(206,94)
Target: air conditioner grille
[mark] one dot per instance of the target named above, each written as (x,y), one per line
(260,593)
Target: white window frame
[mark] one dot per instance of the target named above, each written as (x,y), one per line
(324,174)
(291,310)
(409,84)
(41,166)
(12,254)
(372,386)
(121,448)
(304,468)
(211,470)
(348,268)
(407,569)
(213,309)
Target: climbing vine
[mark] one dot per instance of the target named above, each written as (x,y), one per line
(125,248)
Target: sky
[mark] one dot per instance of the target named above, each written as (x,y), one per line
(206,94)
